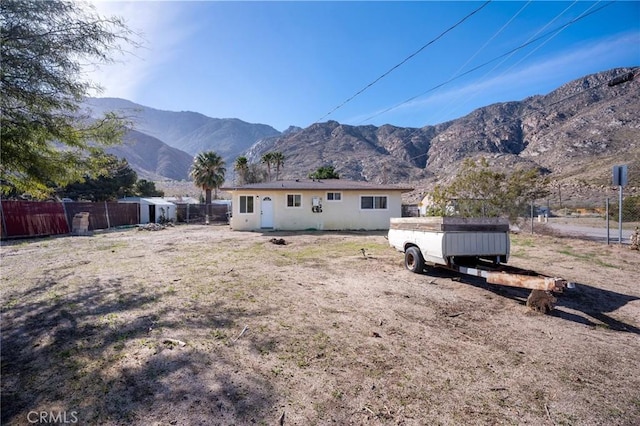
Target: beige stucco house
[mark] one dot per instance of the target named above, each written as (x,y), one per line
(304,204)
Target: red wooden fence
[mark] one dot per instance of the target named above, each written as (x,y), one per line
(37,218)
(29,218)
(40,218)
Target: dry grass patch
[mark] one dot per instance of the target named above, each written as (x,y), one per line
(202,325)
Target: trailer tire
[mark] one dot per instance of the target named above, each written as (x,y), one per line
(413,260)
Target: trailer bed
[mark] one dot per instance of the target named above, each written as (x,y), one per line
(442,239)
(471,246)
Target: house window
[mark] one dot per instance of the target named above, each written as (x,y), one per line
(334,196)
(246,204)
(370,202)
(294,200)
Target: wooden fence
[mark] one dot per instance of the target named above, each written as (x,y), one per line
(32,219)
(36,218)
(105,215)
(41,218)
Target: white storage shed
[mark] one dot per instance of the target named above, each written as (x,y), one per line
(153,209)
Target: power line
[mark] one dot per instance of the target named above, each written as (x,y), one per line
(538,47)
(618,80)
(403,62)
(493,37)
(471,58)
(522,46)
(621,79)
(626,77)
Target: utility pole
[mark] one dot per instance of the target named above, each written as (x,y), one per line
(620,179)
(620,172)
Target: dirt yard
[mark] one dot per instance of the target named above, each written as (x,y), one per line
(201,325)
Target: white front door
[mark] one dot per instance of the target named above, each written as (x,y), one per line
(266,213)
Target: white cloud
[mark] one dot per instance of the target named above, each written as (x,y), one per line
(161,32)
(453,100)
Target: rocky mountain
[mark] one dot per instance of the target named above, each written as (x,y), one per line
(576,133)
(370,153)
(190,132)
(151,158)
(264,145)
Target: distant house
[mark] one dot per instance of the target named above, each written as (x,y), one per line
(153,209)
(427,204)
(182,200)
(303,204)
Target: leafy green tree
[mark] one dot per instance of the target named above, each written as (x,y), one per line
(479,191)
(208,173)
(441,202)
(44,46)
(324,172)
(267,160)
(146,188)
(255,174)
(250,172)
(116,181)
(522,188)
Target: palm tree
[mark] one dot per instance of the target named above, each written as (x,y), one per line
(278,160)
(268,160)
(208,172)
(241,167)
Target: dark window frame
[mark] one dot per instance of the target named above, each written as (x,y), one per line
(374,202)
(291,201)
(248,205)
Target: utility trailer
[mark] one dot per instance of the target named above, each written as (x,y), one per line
(472,246)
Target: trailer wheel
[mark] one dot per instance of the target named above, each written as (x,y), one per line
(413,260)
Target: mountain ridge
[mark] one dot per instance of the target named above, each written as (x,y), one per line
(574,133)
(151,158)
(187,131)
(581,125)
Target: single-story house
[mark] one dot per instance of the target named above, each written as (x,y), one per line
(304,204)
(153,209)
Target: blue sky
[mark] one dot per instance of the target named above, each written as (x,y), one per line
(294,63)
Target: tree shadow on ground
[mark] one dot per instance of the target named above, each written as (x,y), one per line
(589,301)
(585,304)
(101,350)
